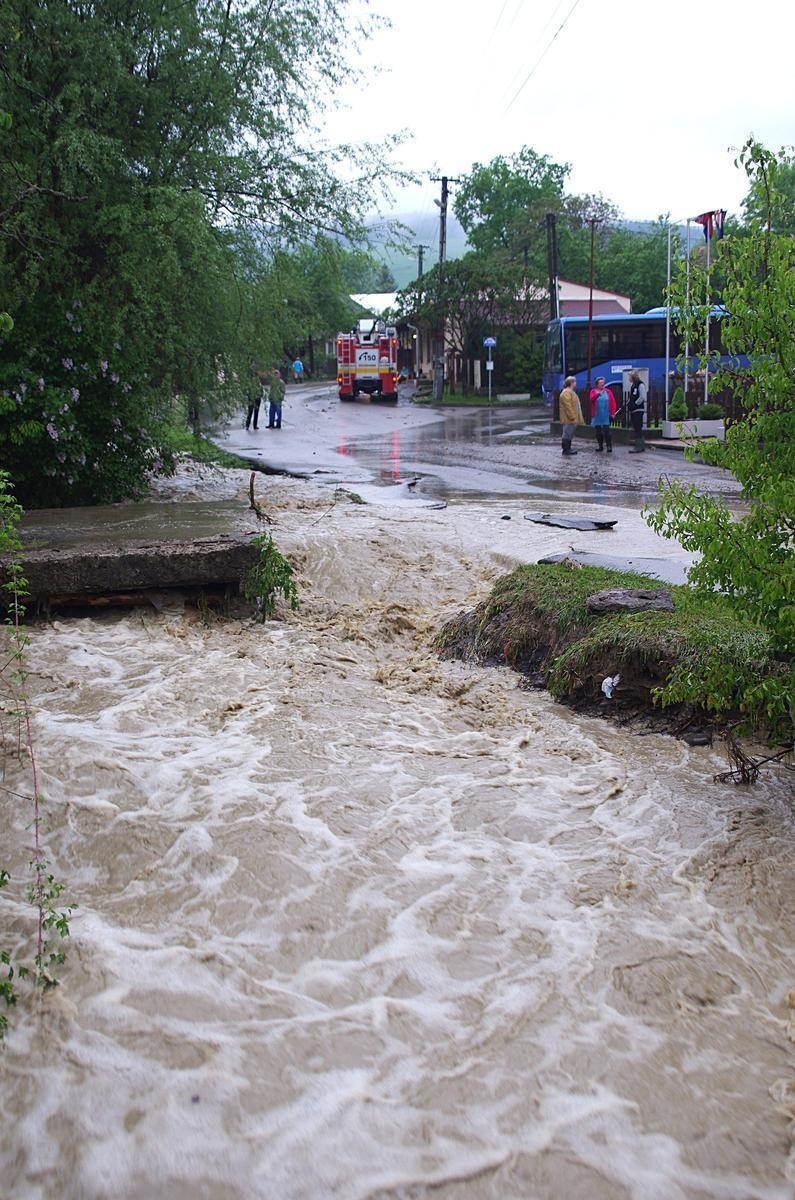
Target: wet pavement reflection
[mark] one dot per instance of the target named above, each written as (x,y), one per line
(465,455)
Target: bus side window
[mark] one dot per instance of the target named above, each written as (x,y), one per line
(553,357)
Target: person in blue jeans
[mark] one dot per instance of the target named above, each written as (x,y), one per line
(603,409)
(276,400)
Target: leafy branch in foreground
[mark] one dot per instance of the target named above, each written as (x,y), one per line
(270,577)
(44,890)
(749,559)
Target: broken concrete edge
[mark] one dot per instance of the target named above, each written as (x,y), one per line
(69,573)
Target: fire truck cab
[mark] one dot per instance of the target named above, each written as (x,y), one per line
(367,360)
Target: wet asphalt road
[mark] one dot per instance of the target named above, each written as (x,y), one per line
(454,453)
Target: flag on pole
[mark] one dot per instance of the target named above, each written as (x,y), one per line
(712,222)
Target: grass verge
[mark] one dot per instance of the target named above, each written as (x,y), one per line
(198,447)
(537,621)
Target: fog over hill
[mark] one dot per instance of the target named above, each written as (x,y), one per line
(424,231)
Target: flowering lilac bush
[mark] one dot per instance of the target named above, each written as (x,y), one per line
(71,428)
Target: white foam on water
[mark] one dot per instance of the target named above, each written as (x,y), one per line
(355,922)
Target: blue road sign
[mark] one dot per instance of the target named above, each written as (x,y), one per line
(489,341)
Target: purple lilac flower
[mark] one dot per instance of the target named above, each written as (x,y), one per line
(75,394)
(70,316)
(23,387)
(126,387)
(40,384)
(52,431)
(67,362)
(114,378)
(103,366)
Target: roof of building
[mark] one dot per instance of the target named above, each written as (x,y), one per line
(568,290)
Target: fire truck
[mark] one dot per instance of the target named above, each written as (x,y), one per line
(367,360)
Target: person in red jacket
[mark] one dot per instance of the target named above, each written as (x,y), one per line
(603,409)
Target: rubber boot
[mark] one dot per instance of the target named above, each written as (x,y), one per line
(639,446)
(600,441)
(567,450)
(609,440)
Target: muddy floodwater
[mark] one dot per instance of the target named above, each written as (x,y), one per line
(356,923)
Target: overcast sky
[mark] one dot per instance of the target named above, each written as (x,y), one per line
(646,101)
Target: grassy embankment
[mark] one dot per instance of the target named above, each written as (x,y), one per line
(536,620)
(424,395)
(185,444)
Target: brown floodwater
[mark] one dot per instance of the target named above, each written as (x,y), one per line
(357,923)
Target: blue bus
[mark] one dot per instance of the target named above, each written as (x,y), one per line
(620,343)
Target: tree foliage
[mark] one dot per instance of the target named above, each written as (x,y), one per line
(473,297)
(773,200)
(502,207)
(749,558)
(159,164)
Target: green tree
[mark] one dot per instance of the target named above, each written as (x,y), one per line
(312,284)
(475,297)
(502,207)
(773,201)
(159,159)
(750,558)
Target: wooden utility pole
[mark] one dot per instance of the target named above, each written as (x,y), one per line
(438,350)
(592,223)
(552,267)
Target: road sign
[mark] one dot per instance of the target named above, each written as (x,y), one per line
(489,365)
(489,341)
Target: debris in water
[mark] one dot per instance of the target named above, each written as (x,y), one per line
(608,683)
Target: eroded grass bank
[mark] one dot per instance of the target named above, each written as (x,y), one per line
(537,621)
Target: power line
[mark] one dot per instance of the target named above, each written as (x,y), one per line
(511,84)
(541,57)
(496,23)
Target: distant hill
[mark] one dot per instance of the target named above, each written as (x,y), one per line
(425,230)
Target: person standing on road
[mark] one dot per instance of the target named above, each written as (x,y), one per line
(298,370)
(603,409)
(253,397)
(276,400)
(637,409)
(570,413)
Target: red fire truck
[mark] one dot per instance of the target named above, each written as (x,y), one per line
(367,360)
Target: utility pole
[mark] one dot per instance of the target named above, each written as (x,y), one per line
(438,352)
(552,267)
(592,223)
(419,261)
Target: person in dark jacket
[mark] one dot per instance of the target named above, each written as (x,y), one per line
(637,409)
(253,398)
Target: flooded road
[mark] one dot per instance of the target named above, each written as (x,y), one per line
(455,453)
(357,923)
